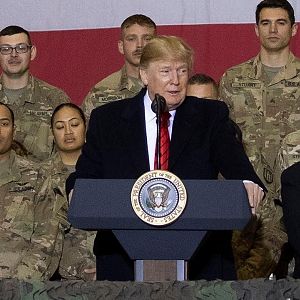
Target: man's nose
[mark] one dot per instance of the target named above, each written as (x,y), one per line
(140,43)
(174,77)
(273,27)
(14,52)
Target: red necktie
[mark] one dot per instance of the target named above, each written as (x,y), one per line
(164,142)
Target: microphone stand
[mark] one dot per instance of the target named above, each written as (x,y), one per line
(158,106)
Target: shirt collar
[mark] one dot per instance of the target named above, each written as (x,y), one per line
(149,114)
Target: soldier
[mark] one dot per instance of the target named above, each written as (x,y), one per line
(288,154)
(263,96)
(136,32)
(202,86)
(58,248)
(18,188)
(31,99)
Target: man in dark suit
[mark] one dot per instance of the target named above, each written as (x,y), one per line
(290,193)
(122,135)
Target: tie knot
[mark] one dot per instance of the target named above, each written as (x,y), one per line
(165,116)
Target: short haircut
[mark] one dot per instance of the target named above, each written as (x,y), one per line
(284,4)
(167,47)
(71,105)
(141,20)
(14,29)
(11,112)
(201,78)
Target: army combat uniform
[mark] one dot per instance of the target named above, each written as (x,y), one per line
(266,110)
(288,153)
(116,86)
(18,188)
(55,244)
(33,110)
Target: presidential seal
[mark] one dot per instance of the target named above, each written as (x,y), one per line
(158,197)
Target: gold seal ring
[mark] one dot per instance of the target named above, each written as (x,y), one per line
(158,197)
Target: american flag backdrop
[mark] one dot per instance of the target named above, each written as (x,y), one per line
(77,39)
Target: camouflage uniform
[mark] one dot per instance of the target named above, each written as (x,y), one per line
(116,86)
(32,116)
(55,243)
(288,154)
(266,113)
(18,187)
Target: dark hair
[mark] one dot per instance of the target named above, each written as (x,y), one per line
(284,4)
(14,29)
(19,148)
(71,105)
(141,20)
(201,78)
(11,112)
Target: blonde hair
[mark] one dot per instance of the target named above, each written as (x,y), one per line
(167,47)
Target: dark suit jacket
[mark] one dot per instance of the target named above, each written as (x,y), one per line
(202,145)
(290,192)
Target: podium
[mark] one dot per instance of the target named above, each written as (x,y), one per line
(212,205)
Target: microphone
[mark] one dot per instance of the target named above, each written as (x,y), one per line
(158,106)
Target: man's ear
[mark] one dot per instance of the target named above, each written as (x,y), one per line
(256,30)
(294,29)
(33,52)
(121,47)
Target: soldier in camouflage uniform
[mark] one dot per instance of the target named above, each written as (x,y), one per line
(18,188)
(31,99)
(288,154)
(136,32)
(58,247)
(263,96)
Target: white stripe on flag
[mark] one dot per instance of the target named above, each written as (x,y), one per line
(43,15)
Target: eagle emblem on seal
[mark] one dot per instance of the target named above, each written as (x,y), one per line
(158,196)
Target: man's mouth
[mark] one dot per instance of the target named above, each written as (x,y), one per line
(173,92)
(273,38)
(14,62)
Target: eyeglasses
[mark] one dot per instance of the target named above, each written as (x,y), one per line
(20,48)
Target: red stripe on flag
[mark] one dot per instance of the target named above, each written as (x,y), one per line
(77,59)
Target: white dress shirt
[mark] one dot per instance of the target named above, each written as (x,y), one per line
(151,128)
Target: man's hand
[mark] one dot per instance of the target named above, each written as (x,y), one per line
(255,195)
(91,273)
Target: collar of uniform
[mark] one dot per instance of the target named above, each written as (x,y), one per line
(13,172)
(290,69)
(54,165)
(123,80)
(29,87)
(255,70)
(129,83)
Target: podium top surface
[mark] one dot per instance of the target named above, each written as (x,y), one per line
(211,205)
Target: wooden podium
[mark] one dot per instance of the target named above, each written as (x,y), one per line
(160,253)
